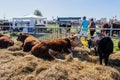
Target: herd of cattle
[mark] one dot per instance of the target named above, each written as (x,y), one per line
(102,44)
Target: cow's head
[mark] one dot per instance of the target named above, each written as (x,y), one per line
(75,41)
(21,37)
(93,42)
(90,43)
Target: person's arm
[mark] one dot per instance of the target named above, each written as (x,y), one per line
(81,24)
(89,24)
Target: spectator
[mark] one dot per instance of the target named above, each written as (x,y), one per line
(92,27)
(84,27)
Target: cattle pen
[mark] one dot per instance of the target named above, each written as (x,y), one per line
(57,32)
(52,32)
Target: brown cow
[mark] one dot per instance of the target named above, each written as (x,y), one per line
(44,48)
(116,25)
(108,26)
(5,41)
(28,41)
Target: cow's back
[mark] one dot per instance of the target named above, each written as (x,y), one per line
(6,41)
(29,42)
(115,25)
(105,45)
(104,25)
(58,44)
(41,50)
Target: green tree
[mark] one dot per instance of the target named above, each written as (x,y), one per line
(37,13)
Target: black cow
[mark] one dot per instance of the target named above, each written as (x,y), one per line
(103,46)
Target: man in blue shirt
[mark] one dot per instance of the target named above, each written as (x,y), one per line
(84,27)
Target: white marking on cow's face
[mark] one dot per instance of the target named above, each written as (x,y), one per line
(75,41)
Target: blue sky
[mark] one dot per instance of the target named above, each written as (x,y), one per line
(62,8)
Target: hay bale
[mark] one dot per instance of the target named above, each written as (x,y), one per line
(82,50)
(30,67)
(18,43)
(20,65)
(54,73)
(14,48)
(18,53)
(68,57)
(115,59)
(30,77)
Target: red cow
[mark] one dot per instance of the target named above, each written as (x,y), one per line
(28,41)
(5,41)
(43,49)
(116,25)
(113,25)
(107,26)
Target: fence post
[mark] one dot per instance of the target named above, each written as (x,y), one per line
(111,28)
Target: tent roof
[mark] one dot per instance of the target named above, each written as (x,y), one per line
(30,16)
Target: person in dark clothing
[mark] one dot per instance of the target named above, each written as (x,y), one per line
(92,27)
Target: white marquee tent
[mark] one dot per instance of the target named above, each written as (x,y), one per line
(28,21)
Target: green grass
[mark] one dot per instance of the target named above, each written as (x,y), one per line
(115,42)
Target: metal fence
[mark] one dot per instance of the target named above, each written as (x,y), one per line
(44,33)
(56,32)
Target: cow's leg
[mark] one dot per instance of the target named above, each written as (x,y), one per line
(96,53)
(106,57)
(26,48)
(100,58)
(70,50)
(52,53)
